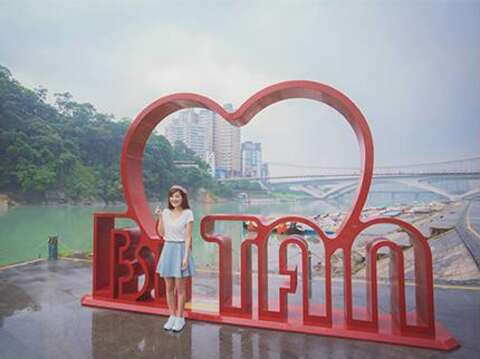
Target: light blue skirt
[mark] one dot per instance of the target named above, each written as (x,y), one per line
(170,263)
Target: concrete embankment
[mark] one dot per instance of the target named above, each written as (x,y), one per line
(453,261)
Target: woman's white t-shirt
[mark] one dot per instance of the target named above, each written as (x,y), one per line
(176,227)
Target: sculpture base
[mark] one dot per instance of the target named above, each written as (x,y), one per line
(442,341)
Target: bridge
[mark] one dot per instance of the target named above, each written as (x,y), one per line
(330,182)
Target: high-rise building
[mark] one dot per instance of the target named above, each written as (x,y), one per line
(251,155)
(194,130)
(226,145)
(211,137)
(207,119)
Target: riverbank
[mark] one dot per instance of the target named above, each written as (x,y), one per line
(451,259)
(24,230)
(8,200)
(57,198)
(453,263)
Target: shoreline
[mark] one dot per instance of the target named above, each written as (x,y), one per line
(7,200)
(469,284)
(445,218)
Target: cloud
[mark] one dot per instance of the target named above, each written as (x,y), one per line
(410,67)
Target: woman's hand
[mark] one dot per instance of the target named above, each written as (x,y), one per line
(158,210)
(184,263)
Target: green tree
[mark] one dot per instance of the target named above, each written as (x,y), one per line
(70,147)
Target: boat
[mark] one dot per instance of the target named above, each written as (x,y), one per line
(282,228)
(287,228)
(250,226)
(391,213)
(421,209)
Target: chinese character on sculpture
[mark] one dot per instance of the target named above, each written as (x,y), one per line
(122,255)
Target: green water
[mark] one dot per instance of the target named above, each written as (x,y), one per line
(24,230)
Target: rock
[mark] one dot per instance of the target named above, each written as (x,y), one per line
(318,267)
(436,230)
(357,258)
(358,262)
(3,202)
(55,197)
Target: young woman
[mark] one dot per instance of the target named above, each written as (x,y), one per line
(175,225)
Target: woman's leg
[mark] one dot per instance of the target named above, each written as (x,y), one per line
(180,286)
(170,286)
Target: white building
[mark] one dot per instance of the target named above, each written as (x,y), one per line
(211,137)
(226,145)
(193,129)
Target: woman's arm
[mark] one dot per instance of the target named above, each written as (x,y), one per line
(188,244)
(160,227)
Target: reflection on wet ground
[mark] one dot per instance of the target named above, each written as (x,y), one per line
(41,317)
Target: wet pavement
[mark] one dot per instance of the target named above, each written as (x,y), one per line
(41,317)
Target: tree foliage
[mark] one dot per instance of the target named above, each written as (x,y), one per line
(70,148)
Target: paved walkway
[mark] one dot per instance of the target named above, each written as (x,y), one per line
(41,317)
(473,219)
(468,228)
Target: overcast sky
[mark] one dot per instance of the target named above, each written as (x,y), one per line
(411,67)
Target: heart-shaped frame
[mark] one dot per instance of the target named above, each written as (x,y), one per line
(120,256)
(151,116)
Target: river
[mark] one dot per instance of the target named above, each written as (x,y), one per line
(24,230)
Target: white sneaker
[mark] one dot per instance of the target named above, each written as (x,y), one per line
(170,322)
(179,324)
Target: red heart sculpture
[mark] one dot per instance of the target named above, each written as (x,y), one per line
(122,255)
(145,122)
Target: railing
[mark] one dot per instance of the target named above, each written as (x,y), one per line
(467,166)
